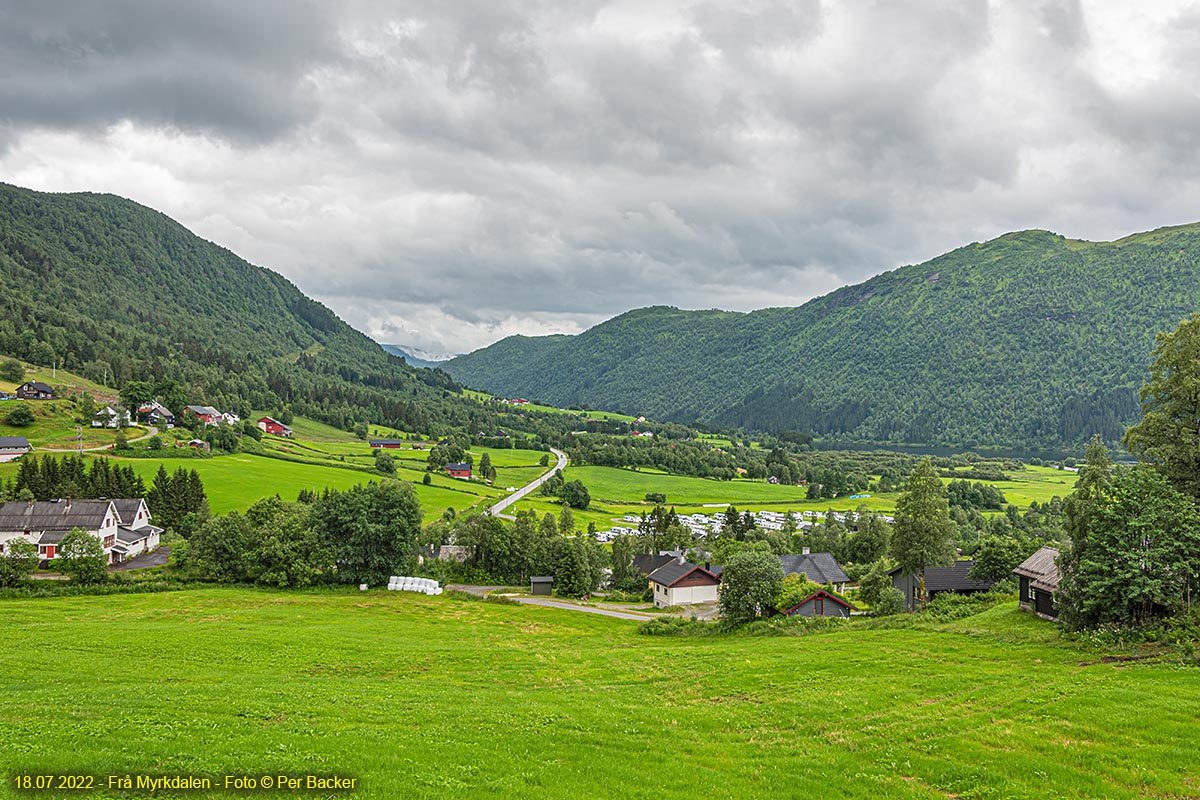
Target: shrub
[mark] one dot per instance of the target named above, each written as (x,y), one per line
(20,417)
(12,370)
(890,602)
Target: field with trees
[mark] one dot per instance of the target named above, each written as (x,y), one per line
(441,697)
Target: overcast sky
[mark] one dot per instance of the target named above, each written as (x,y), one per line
(446,174)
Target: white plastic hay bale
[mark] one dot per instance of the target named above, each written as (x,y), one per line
(362,587)
(437,590)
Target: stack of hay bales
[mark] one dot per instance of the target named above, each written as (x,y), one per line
(405,584)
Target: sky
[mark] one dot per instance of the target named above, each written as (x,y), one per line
(443,175)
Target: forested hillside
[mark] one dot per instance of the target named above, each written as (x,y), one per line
(116,292)
(1030,340)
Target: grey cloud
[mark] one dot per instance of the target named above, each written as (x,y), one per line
(235,69)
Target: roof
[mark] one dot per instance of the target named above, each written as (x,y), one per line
(37,386)
(819,567)
(273,420)
(130,535)
(953,578)
(127,508)
(207,411)
(822,594)
(673,572)
(646,563)
(18,515)
(457,466)
(14,441)
(375,442)
(1041,568)
(52,537)
(541,579)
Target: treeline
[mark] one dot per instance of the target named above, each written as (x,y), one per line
(364,534)
(51,478)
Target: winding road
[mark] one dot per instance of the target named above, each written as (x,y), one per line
(525,490)
(152,432)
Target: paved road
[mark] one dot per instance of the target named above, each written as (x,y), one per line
(152,432)
(525,490)
(483,591)
(155,559)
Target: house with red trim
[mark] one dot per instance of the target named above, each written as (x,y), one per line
(206,414)
(387,444)
(274,427)
(46,523)
(459,470)
(821,604)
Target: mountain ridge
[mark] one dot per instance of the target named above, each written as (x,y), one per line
(1029,339)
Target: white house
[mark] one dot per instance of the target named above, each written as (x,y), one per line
(681,583)
(13,447)
(135,534)
(46,523)
(111,417)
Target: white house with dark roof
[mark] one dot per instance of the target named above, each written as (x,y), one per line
(135,534)
(46,523)
(111,417)
(681,583)
(13,447)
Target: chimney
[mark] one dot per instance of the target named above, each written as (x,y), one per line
(804,551)
(68,508)
(682,557)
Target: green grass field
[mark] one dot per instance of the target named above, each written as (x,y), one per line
(423,697)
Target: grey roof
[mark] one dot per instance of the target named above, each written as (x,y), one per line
(819,567)
(127,508)
(37,386)
(646,563)
(374,442)
(541,579)
(18,515)
(10,442)
(209,410)
(952,579)
(824,594)
(52,537)
(673,572)
(458,465)
(1042,568)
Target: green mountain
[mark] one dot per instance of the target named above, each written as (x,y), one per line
(116,292)
(1030,340)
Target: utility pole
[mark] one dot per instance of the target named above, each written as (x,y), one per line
(79,438)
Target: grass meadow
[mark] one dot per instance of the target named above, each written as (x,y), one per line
(422,697)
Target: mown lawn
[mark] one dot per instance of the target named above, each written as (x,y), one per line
(443,698)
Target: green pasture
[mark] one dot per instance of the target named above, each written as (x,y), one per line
(1036,484)
(234,483)
(423,697)
(54,426)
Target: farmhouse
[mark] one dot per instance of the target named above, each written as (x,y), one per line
(1038,579)
(206,414)
(46,523)
(156,413)
(821,604)
(818,567)
(35,390)
(387,444)
(13,447)
(111,417)
(954,579)
(681,583)
(459,470)
(135,534)
(274,426)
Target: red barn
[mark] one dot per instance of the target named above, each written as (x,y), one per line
(459,470)
(274,426)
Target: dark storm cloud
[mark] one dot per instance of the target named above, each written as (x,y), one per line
(450,173)
(237,69)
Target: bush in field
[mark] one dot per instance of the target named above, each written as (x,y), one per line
(20,417)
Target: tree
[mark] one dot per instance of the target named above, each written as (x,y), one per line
(749,583)
(575,495)
(20,417)
(284,549)
(220,548)
(1141,554)
(17,562)
(486,471)
(1168,436)
(385,463)
(544,461)
(81,556)
(370,530)
(12,370)
(923,534)
(121,442)
(998,556)
(136,393)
